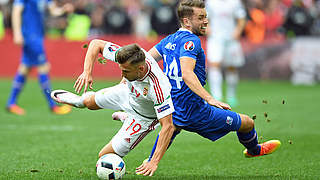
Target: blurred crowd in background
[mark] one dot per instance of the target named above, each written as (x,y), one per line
(144,18)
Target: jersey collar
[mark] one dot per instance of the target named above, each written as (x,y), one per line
(184,29)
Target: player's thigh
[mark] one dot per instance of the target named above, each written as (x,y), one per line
(220,123)
(116,97)
(215,51)
(131,134)
(234,54)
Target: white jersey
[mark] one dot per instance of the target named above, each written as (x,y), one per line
(150,96)
(223,15)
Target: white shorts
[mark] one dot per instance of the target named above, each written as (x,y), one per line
(226,52)
(134,128)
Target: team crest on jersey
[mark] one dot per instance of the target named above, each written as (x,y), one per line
(229,120)
(145,91)
(113,47)
(189,46)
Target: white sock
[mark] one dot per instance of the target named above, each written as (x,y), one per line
(232,79)
(215,81)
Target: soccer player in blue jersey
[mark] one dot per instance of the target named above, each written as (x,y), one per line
(28,31)
(196,110)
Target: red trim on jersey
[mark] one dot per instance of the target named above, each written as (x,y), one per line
(157,87)
(142,135)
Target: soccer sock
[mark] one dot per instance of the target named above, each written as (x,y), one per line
(250,141)
(215,81)
(46,88)
(232,78)
(17,85)
(175,133)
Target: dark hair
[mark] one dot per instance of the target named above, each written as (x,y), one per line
(131,53)
(185,8)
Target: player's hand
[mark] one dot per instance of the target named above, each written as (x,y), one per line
(219,104)
(85,79)
(147,169)
(18,38)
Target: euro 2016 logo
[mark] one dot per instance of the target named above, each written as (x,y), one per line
(113,47)
(189,46)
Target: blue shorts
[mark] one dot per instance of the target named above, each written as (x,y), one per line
(214,123)
(33,52)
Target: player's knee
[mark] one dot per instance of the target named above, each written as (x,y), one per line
(44,68)
(23,69)
(90,103)
(247,124)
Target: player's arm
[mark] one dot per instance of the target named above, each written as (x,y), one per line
(85,79)
(55,10)
(190,78)
(241,23)
(165,135)
(155,54)
(16,23)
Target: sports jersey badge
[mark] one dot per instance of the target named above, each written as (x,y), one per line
(189,46)
(145,91)
(113,47)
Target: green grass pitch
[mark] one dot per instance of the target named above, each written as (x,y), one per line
(41,145)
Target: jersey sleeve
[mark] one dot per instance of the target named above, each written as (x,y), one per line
(190,47)
(110,51)
(160,94)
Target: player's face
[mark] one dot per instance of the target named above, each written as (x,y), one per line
(199,21)
(130,72)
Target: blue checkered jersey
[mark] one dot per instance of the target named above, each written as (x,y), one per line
(33,17)
(188,105)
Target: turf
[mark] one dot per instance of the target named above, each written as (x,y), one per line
(41,145)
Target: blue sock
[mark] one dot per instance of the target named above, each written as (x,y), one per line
(46,88)
(250,141)
(175,133)
(17,85)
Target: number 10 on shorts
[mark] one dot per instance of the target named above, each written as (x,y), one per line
(135,127)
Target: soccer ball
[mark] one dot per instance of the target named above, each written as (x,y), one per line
(110,166)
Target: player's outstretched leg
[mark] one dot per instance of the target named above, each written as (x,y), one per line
(66,97)
(266,148)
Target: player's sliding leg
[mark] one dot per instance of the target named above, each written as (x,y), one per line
(247,136)
(66,97)
(17,86)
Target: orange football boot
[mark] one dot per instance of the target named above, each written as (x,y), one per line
(266,148)
(15,109)
(61,110)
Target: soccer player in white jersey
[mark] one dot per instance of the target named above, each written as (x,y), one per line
(226,23)
(144,95)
